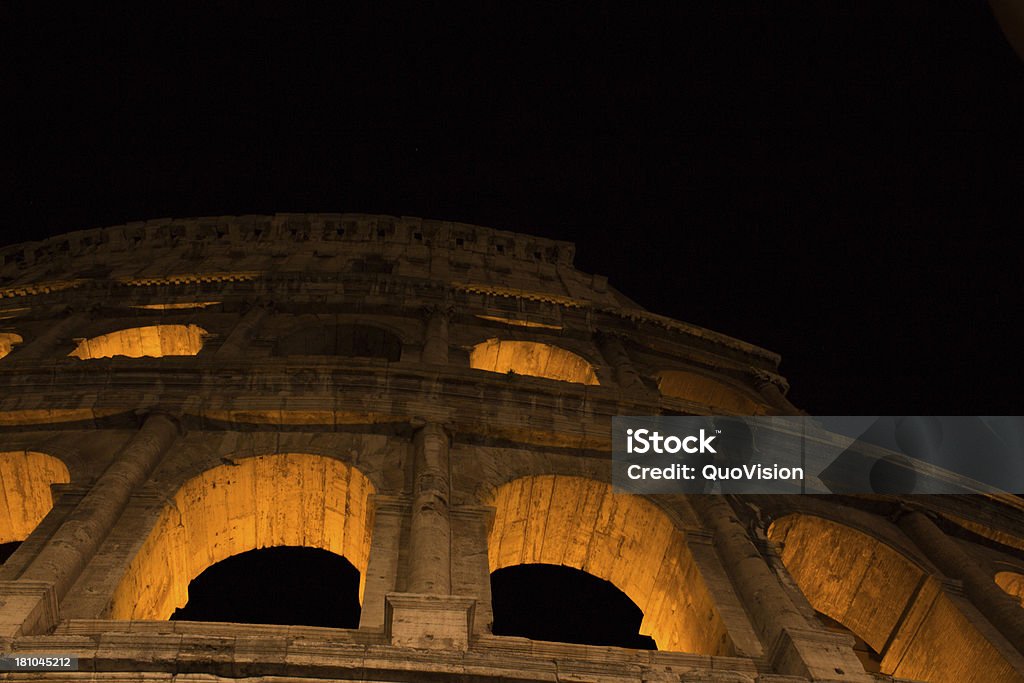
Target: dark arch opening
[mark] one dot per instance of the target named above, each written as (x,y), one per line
(284,585)
(7,549)
(353,341)
(566,605)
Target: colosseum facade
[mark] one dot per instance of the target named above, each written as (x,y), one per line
(431,401)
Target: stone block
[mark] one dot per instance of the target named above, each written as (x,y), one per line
(431,622)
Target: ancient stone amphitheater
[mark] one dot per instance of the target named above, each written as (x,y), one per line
(431,401)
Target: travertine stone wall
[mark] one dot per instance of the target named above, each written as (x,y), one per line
(432,401)
(25,496)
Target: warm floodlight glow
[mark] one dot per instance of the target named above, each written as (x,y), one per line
(272,500)
(155,341)
(881,595)
(621,538)
(518,322)
(706,391)
(531,358)
(1012,584)
(25,498)
(178,306)
(8,313)
(8,340)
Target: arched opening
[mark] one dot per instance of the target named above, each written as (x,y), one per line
(887,600)
(698,388)
(7,549)
(624,539)
(350,341)
(531,358)
(8,340)
(291,499)
(1012,584)
(25,494)
(281,585)
(566,605)
(152,341)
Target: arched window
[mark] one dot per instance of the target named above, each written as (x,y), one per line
(293,499)
(25,497)
(1012,584)
(8,340)
(888,601)
(535,359)
(623,539)
(352,341)
(706,391)
(154,341)
(562,604)
(279,585)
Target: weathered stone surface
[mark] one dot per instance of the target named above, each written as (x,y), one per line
(432,401)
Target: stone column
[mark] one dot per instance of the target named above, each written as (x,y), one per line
(60,562)
(792,645)
(430,533)
(46,344)
(616,356)
(435,340)
(999,608)
(238,340)
(428,615)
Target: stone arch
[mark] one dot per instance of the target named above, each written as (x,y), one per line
(624,539)
(25,494)
(535,359)
(888,600)
(705,390)
(8,340)
(288,499)
(152,341)
(1012,584)
(343,339)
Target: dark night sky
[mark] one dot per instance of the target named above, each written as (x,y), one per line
(837,183)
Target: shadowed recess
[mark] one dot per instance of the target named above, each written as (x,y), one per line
(283,585)
(25,496)
(535,359)
(152,341)
(351,341)
(566,605)
(7,549)
(624,539)
(290,499)
(887,600)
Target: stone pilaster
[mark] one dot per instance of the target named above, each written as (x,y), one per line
(61,561)
(435,339)
(428,615)
(999,608)
(237,342)
(616,356)
(430,532)
(471,570)
(792,645)
(389,515)
(46,345)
